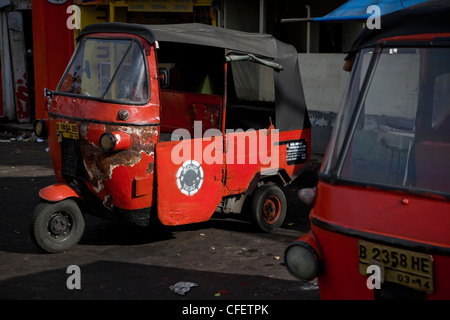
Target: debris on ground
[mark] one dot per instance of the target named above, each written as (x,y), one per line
(181,288)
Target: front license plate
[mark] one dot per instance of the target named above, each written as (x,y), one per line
(408,268)
(67,130)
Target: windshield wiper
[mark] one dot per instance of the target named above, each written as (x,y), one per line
(252,58)
(117,69)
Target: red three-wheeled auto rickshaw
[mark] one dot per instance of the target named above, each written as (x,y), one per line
(380,222)
(168,124)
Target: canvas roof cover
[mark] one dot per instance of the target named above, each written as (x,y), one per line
(201,34)
(291,112)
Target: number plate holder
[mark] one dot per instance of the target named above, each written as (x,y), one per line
(67,130)
(408,268)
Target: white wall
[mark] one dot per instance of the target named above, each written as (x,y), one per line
(324,82)
(323,79)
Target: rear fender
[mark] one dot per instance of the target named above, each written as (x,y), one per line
(58,192)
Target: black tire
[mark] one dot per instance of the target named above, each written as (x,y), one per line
(269,207)
(57,227)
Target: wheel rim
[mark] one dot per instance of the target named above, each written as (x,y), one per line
(59,226)
(271,209)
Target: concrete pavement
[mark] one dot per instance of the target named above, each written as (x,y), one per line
(225,257)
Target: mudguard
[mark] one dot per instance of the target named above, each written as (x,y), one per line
(58,192)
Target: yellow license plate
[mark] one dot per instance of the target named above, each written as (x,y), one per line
(67,130)
(408,268)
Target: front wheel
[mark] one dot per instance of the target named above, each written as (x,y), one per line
(269,207)
(57,227)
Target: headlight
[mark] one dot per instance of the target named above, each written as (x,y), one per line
(40,129)
(115,141)
(302,260)
(107,142)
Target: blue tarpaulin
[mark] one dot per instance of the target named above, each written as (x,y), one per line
(357,9)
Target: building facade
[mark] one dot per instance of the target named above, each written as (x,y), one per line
(38,38)
(16,64)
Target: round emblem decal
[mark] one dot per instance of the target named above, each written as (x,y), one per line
(190,177)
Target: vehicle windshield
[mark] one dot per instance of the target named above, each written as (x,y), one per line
(108,69)
(393,128)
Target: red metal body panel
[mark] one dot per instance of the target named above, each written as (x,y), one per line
(239,171)
(293,135)
(361,209)
(111,178)
(175,206)
(206,108)
(243,167)
(346,209)
(104,111)
(342,280)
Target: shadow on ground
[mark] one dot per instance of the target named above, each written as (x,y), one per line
(118,280)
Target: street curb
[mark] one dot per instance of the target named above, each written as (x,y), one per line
(16,128)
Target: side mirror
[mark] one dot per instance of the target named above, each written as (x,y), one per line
(348,65)
(163,77)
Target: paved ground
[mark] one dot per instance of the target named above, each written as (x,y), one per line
(225,257)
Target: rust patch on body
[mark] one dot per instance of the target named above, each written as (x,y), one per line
(100,165)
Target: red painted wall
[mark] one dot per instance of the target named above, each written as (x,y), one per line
(1,93)
(53,46)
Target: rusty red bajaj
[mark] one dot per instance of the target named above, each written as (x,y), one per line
(168,124)
(383,197)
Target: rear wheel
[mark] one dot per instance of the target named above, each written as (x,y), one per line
(269,207)
(57,227)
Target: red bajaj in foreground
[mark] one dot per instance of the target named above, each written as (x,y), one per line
(168,124)
(380,223)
